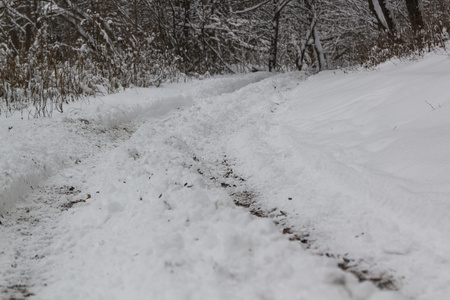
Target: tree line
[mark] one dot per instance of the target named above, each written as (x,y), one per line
(54,51)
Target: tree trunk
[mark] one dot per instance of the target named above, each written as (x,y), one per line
(319,50)
(28,27)
(314,33)
(187,20)
(274,38)
(415,14)
(302,50)
(384,15)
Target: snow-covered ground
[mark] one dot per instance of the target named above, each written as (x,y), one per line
(133,196)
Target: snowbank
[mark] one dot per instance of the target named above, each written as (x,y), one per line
(365,159)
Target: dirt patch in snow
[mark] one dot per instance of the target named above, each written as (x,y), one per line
(15,292)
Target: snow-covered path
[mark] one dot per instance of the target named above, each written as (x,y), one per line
(31,227)
(132,196)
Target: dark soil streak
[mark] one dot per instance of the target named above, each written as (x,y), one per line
(15,292)
(248,199)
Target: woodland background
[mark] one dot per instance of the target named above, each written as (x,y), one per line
(56,51)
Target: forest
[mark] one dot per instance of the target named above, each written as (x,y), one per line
(53,52)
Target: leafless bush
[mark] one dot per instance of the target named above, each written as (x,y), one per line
(53,52)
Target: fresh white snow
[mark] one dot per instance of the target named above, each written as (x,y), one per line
(131,196)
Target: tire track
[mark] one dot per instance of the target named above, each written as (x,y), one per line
(29,228)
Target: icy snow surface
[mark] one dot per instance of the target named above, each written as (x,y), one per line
(132,196)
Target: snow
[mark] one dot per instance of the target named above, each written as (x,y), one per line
(131,196)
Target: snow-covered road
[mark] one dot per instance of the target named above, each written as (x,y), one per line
(132,196)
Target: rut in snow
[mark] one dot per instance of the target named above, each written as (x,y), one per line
(28,228)
(247,197)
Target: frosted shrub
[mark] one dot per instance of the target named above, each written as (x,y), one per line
(52,53)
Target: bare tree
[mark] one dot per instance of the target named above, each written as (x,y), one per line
(312,36)
(414,8)
(277,7)
(63,49)
(384,15)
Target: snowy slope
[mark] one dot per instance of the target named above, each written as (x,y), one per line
(366,159)
(132,196)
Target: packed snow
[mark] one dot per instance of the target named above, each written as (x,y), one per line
(257,186)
